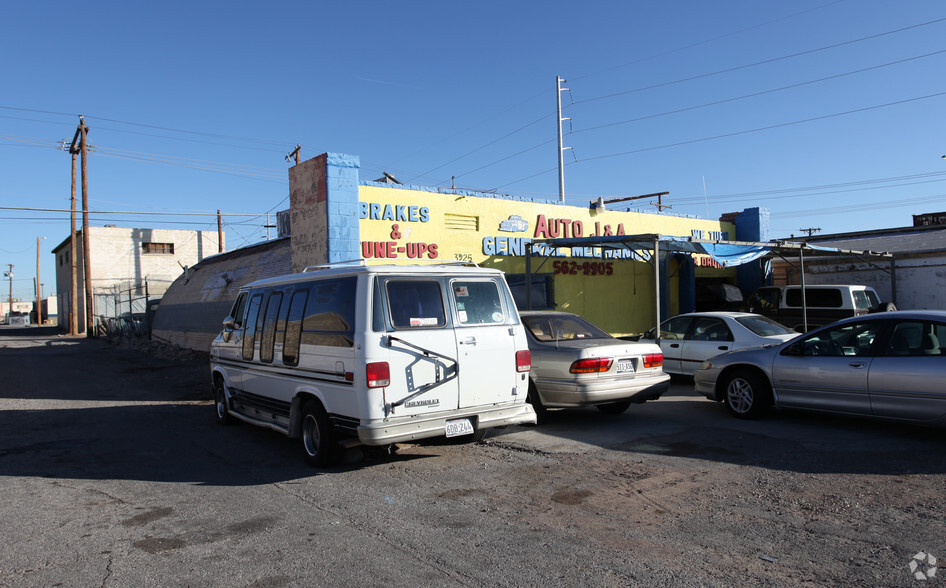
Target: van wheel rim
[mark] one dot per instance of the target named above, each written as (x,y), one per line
(739,394)
(310,435)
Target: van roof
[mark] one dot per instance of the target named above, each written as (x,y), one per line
(338,270)
(810,286)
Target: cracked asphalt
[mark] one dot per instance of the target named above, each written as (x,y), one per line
(113,473)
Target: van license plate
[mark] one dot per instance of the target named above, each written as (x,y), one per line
(459,427)
(625,367)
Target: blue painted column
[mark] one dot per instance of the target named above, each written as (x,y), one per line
(341,179)
(752,224)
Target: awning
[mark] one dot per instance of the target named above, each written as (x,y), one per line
(726,253)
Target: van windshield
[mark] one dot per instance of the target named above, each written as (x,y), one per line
(865,299)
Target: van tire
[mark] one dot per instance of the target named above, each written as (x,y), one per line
(318,437)
(616,407)
(223,417)
(533,398)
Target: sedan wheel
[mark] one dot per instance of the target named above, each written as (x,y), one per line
(748,395)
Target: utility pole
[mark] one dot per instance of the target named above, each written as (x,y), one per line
(39,294)
(86,251)
(811,231)
(294,153)
(561,150)
(268,226)
(73,262)
(10,275)
(219,233)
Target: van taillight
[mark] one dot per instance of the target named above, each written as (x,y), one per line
(594,365)
(523,361)
(379,374)
(652,360)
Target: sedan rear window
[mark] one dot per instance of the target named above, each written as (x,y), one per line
(559,328)
(764,326)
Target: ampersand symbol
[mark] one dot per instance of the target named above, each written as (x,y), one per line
(395,233)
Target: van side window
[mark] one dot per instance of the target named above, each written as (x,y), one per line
(415,303)
(237,311)
(820,297)
(330,313)
(478,303)
(764,299)
(290,348)
(268,337)
(249,336)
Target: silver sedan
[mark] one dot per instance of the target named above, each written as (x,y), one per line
(887,365)
(575,363)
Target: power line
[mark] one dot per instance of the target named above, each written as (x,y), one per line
(787,192)
(705,41)
(726,135)
(195,213)
(758,63)
(766,128)
(761,93)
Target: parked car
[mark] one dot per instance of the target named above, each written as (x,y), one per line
(823,304)
(887,365)
(688,339)
(575,363)
(377,355)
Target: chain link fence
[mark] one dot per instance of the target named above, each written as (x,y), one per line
(126,309)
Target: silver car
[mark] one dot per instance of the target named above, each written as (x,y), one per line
(887,365)
(575,363)
(689,339)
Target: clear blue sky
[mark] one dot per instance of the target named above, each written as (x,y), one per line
(829,113)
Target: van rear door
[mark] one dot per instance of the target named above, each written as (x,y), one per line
(422,349)
(485,341)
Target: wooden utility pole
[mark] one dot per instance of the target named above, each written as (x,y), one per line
(10,275)
(294,153)
(219,233)
(86,251)
(811,231)
(74,298)
(39,295)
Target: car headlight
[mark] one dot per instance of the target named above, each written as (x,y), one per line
(706,365)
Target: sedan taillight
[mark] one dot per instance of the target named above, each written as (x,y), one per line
(594,365)
(652,360)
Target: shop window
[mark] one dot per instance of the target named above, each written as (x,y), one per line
(158,248)
(543,290)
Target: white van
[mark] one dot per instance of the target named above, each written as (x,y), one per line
(373,354)
(823,304)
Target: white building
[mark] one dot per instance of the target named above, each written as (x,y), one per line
(127,265)
(914,279)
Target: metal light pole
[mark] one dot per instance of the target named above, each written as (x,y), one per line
(39,296)
(561,149)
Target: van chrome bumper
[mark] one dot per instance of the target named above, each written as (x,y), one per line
(413,428)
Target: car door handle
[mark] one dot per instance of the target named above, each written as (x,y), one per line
(674,345)
(468,341)
(723,347)
(857,364)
